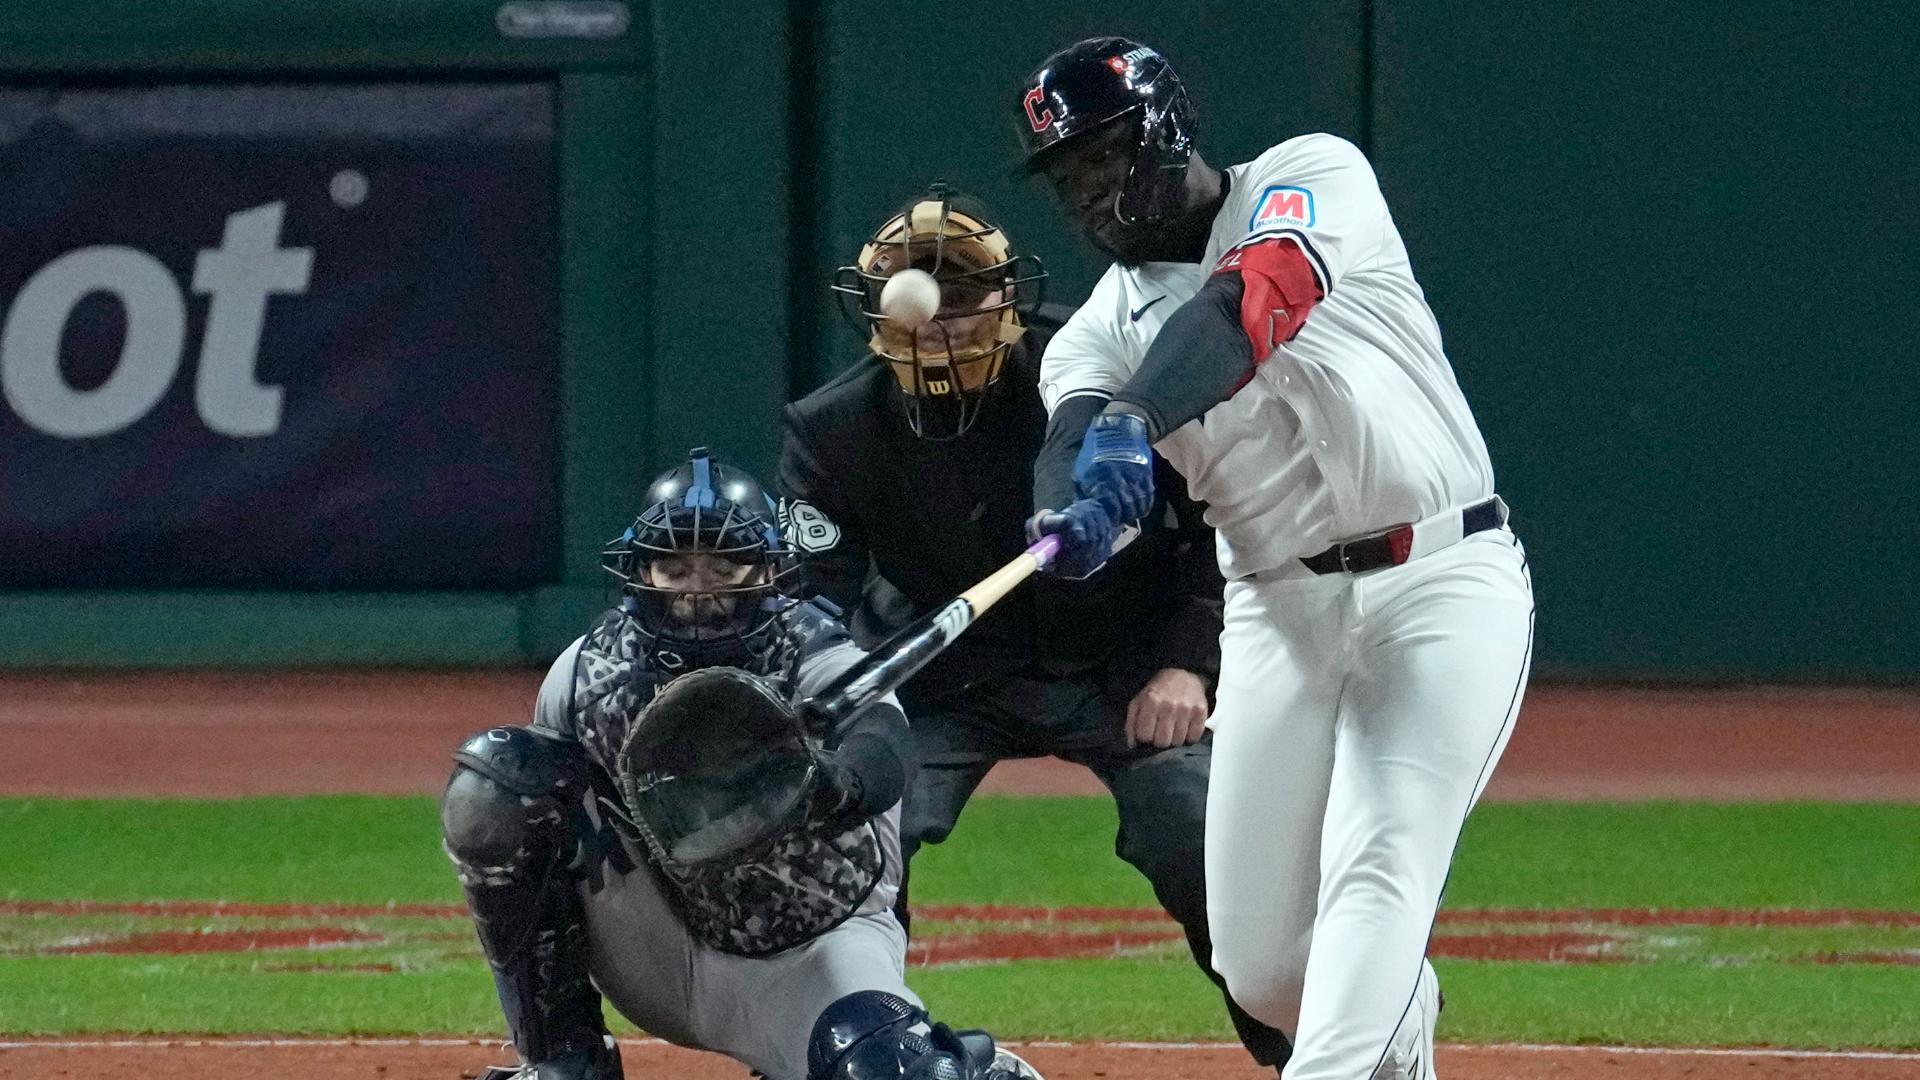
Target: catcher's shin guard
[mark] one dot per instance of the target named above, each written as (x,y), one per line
(875,1035)
(515,850)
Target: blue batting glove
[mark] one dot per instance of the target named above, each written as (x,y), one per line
(1115,466)
(1086,534)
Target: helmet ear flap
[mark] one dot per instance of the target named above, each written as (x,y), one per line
(1159,172)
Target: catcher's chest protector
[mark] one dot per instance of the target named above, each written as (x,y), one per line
(785,893)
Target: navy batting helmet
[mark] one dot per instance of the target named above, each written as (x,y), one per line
(1099,81)
(725,608)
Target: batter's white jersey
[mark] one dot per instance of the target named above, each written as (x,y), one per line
(1354,426)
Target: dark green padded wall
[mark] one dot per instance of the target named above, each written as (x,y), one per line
(1669,247)
(720,162)
(1673,257)
(909,93)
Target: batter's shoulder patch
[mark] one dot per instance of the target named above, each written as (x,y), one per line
(1282,205)
(807,528)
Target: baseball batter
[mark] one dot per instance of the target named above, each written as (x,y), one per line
(918,462)
(1261,327)
(556,830)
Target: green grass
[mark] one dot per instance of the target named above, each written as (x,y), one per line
(1051,851)
(1687,985)
(342,848)
(234,993)
(1838,1007)
(1833,855)
(1512,855)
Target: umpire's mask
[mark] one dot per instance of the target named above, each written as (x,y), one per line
(945,366)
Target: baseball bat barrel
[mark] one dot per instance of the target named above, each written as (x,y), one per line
(895,660)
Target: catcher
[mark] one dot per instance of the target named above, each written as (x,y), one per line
(673,832)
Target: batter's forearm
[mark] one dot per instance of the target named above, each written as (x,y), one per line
(1053,468)
(1198,360)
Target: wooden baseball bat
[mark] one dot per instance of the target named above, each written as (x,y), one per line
(893,661)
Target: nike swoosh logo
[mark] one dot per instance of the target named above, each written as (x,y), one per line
(1142,309)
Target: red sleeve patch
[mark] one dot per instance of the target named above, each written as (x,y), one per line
(1280,290)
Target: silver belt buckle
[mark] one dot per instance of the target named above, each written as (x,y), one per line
(1342,549)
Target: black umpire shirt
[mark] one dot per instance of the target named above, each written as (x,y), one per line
(933,518)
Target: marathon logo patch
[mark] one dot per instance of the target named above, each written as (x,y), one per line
(1282,205)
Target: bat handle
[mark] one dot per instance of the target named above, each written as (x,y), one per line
(1044,549)
(1001,582)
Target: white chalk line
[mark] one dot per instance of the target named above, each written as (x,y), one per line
(1702,1051)
(1542,1048)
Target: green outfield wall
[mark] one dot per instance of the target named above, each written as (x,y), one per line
(1668,246)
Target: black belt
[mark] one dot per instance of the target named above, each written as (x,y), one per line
(1395,546)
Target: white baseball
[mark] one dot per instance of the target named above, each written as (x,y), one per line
(910,298)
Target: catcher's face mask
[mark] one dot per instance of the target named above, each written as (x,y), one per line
(945,366)
(702,594)
(705,569)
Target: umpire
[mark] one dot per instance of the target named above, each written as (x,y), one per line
(908,478)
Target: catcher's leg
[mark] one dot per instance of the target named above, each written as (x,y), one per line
(776,999)
(509,817)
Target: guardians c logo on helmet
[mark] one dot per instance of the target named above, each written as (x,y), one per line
(1104,80)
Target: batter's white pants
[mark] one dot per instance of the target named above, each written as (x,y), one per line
(1358,719)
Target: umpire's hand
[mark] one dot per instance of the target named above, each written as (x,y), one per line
(1171,710)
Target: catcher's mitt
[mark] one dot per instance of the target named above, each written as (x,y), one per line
(717,764)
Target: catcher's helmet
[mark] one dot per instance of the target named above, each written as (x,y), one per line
(1092,83)
(723,610)
(946,367)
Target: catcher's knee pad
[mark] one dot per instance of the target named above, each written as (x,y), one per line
(507,808)
(509,819)
(490,834)
(526,762)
